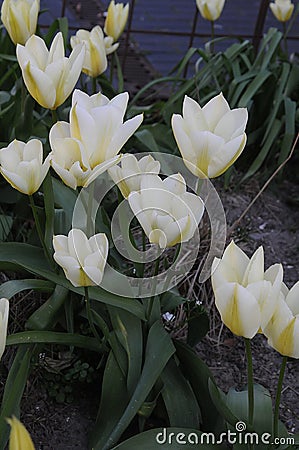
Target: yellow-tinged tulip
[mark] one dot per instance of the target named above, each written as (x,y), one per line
(283,329)
(22,165)
(129,175)
(49,75)
(246,296)
(20,19)
(167,213)
(211,138)
(210,9)
(90,143)
(83,260)
(95,60)
(282,9)
(19,437)
(4,310)
(116,19)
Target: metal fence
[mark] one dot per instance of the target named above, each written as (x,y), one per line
(159,32)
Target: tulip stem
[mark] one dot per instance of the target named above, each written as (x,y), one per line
(285,38)
(89,314)
(39,230)
(152,299)
(112,63)
(249,381)
(212,35)
(278,395)
(94,85)
(54,116)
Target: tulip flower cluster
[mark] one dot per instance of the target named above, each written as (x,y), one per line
(251,300)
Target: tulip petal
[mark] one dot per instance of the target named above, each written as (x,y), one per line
(214,110)
(239,309)
(39,85)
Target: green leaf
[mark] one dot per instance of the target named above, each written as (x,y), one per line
(198,374)
(13,391)
(127,328)
(264,151)
(159,350)
(114,400)
(6,223)
(220,402)
(289,134)
(48,313)
(51,337)
(13,287)
(147,139)
(170,301)
(182,407)
(198,326)
(168,439)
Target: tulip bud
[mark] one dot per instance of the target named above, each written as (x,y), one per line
(89,144)
(49,76)
(22,165)
(245,295)
(83,260)
(19,437)
(282,9)
(283,329)
(95,60)
(20,19)
(167,213)
(117,16)
(4,310)
(211,138)
(210,9)
(128,177)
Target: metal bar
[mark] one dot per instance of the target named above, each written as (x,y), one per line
(191,37)
(128,33)
(63,8)
(260,22)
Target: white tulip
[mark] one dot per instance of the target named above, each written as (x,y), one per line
(282,9)
(128,177)
(90,143)
(4,311)
(22,165)
(20,19)
(95,60)
(167,213)
(83,260)
(49,76)
(283,329)
(116,19)
(210,9)
(211,138)
(245,295)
